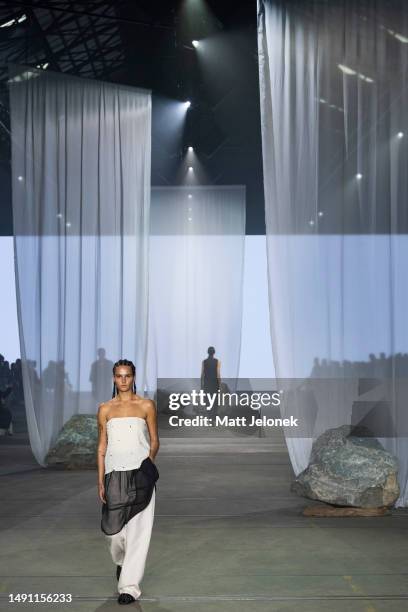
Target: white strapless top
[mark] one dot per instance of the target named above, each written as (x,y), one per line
(128,443)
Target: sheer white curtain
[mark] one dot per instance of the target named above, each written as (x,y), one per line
(81,198)
(334,109)
(196,279)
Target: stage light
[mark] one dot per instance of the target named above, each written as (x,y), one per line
(11,22)
(190,219)
(190,196)
(320,213)
(365,78)
(359,176)
(400,134)
(311,222)
(7,24)
(20,178)
(68,224)
(190,149)
(346,69)
(190,168)
(401,38)
(195,43)
(59,215)
(187,103)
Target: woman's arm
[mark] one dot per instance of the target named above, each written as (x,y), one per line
(151,420)
(102,444)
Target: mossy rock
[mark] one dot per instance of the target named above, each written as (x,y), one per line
(349,470)
(76,444)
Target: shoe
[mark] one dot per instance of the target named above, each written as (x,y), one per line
(118,570)
(125,598)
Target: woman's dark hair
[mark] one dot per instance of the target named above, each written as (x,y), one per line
(131,365)
(211,350)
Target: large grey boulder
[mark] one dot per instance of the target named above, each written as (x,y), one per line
(348,470)
(76,444)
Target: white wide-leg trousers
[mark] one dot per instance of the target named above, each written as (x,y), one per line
(129,549)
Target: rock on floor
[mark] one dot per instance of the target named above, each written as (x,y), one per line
(346,470)
(76,443)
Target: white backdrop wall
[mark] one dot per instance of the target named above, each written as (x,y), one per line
(256,351)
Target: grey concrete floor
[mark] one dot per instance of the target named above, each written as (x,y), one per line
(228,536)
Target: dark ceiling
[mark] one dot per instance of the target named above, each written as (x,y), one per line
(149,44)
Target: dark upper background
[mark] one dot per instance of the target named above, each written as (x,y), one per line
(147,43)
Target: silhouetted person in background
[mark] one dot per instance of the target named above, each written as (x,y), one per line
(49,376)
(5,373)
(6,422)
(211,374)
(101,372)
(17,381)
(62,383)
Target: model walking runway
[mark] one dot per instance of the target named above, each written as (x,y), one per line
(127,478)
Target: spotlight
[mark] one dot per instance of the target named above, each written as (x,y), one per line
(401,38)
(311,222)
(190,219)
(20,178)
(187,103)
(190,196)
(320,213)
(195,43)
(191,149)
(68,224)
(359,176)
(190,168)
(400,134)
(346,69)
(14,21)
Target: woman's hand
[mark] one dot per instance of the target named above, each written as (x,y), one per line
(101,488)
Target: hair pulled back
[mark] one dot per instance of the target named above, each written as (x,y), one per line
(131,365)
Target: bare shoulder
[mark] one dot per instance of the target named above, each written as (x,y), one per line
(148,406)
(103,410)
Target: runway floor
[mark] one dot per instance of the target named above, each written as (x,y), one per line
(229,536)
